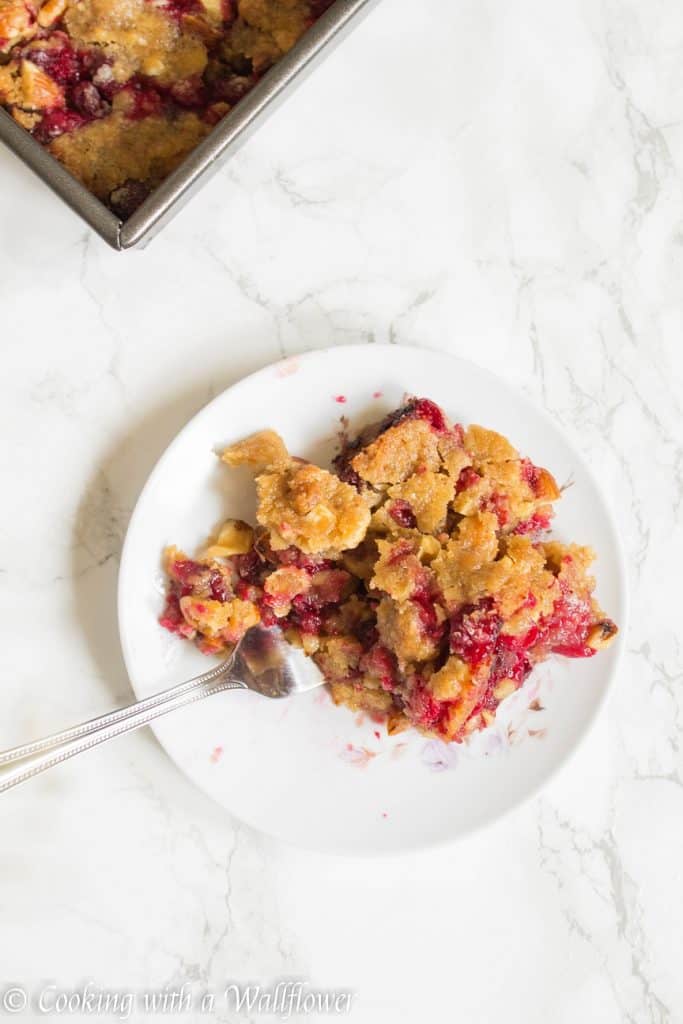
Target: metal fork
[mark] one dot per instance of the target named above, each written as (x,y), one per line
(263,661)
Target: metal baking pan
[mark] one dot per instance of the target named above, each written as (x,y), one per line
(205,160)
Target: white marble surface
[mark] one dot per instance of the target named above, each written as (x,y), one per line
(499,180)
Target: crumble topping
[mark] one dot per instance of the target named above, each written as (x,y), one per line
(120,91)
(136,37)
(108,153)
(311,509)
(419,574)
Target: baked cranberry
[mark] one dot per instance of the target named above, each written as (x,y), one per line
(425,602)
(468,477)
(190,92)
(401,512)
(173,620)
(57,122)
(185,570)
(329,585)
(425,710)
(539,522)
(510,662)
(179,8)
(229,11)
(498,504)
(565,630)
(424,409)
(248,567)
(312,564)
(146,102)
(474,631)
(306,614)
(92,61)
(346,473)
(126,199)
(171,616)
(380,662)
(87,100)
(219,586)
(530,474)
(268,617)
(248,592)
(59,62)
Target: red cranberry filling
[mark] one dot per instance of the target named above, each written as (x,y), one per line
(88,101)
(60,62)
(530,474)
(311,564)
(380,662)
(219,586)
(172,618)
(186,571)
(424,708)
(474,631)
(539,522)
(468,477)
(146,101)
(179,8)
(499,505)
(423,409)
(305,614)
(248,592)
(401,512)
(229,11)
(566,629)
(58,122)
(425,602)
(328,586)
(249,567)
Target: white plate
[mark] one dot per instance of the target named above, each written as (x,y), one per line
(305,771)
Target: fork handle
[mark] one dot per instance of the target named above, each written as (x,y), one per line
(22,763)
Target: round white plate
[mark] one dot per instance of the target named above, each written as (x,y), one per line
(304,770)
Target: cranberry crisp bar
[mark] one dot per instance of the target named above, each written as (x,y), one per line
(419,574)
(120,91)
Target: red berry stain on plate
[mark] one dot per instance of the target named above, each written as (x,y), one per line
(340,399)
(376,394)
(358,757)
(216,755)
(287,368)
(376,734)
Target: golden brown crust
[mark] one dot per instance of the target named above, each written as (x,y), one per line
(17,23)
(399,624)
(428,495)
(400,452)
(259,451)
(109,152)
(309,508)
